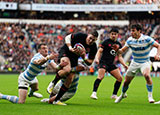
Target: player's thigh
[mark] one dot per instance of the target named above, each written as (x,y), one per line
(22,95)
(67,96)
(146,69)
(101,73)
(116,74)
(66,59)
(69,79)
(132,69)
(22,82)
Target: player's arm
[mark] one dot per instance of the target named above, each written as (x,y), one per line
(58,66)
(98,55)
(86,60)
(68,43)
(157,45)
(121,60)
(122,50)
(43,60)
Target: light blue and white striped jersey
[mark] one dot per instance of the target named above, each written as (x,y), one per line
(33,70)
(74,84)
(140,48)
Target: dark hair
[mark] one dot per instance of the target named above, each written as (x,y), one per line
(39,46)
(136,26)
(114,30)
(94,33)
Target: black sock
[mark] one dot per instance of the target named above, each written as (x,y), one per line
(56,79)
(62,90)
(96,84)
(116,87)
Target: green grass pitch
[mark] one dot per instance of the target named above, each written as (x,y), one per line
(135,104)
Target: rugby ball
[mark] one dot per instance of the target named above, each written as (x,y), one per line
(79,46)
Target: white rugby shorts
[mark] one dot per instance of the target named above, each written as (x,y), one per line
(135,67)
(24,83)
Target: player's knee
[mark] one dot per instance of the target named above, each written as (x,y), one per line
(21,101)
(67,70)
(119,79)
(147,77)
(101,77)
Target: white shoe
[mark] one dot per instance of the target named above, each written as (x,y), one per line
(114,96)
(58,103)
(45,100)
(151,100)
(38,95)
(94,95)
(1,95)
(158,102)
(120,98)
(50,87)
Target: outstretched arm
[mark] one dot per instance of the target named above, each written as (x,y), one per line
(122,50)
(44,59)
(58,66)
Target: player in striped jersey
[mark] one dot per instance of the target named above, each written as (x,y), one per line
(140,45)
(28,78)
(72,89)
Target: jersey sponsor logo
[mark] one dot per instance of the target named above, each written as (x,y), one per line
(113,52)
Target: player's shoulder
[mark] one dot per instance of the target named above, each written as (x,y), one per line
(130,38)
(36,56)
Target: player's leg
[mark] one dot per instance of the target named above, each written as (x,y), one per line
(125,87)
(145,69)
(22,94)
(116,74)
(64,71)
(64,88)
(33,88)
(101,73)
(11,98)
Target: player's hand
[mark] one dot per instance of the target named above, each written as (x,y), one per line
(157,57)
(62,64)
(82,53)
(126,67)
(52,56)
(75,50)
(115,47)
(97,61)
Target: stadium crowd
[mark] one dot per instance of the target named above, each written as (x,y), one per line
(87,1)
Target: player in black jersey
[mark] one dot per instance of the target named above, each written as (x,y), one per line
(70,55)
(105,58)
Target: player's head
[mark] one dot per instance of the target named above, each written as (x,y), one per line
(92,37)
(114,33)
(43,49)
(136,30)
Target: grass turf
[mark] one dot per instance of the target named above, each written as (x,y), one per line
(135,103)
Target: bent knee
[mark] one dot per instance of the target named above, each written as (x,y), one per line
(67,70)
(119,79)
(101,77)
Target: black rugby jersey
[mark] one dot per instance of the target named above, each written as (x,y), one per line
(110,49)
(81,38)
